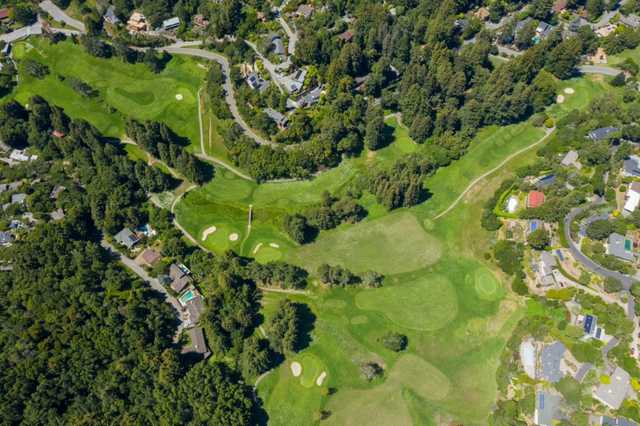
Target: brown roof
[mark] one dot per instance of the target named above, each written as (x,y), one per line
(150,256)
(346,36)
(4,13)
(559,6)
(194,309)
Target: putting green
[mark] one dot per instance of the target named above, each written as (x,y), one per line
(486,285)
(311,369)
(427,303)
(390,245)
(268,254)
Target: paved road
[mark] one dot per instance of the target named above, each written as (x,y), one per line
(24,32)
(270,67)
(59,15)
(154,283)
(626,280)
(292,35)
(481,177)
(508,51)
(598,69)
(228,86)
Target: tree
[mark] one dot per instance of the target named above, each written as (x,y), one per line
(256,357)
(374,137)
(539,239)
(595,8)
(509,255)
(394,341)
(371,370)
(296,227)
(600,229)
(285,330)
(612,285)
(619,80)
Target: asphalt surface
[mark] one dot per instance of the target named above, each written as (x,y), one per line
(626,280)
(59,15)
(598,69)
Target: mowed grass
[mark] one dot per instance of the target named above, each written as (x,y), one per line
(125,90)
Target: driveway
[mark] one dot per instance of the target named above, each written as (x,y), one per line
(24,32)
(598,69)
(59,15)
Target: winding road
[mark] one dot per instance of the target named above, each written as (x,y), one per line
(59,15)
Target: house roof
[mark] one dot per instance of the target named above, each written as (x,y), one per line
(559,6)
(171,22)
(126,238)
(551,356)
(275,115)
(616,247)
(346,36)
(613,393)
(620,421)
(305,10)
(632,21)
(198,343)
(150,256)
(545,181)
(195,308)
(18,198)
(278,46)
(547,408)
(631,166)
(535,199)
(110,15)
(633,197)
(5,238)
(602,133)
(4,13)
(548,260)
(570,158)
(179,275)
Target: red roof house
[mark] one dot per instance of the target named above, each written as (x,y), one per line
(4,14)
(559,6)
(535,199)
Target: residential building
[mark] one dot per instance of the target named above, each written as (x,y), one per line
(22,156)
(18,198)
(482,13)
(256,82)
(631,166)
(180,278)
(615,421)
(632,198)
(304,11)
(346,36)
(631,21)
(571,159)
(281,120)
(612,394)
(520,25)
(547,411)
(149,257)
(543,30)
(559,6)
(534,225)
(620,247)
(6,238)
(198,344)
(192,301)
(126,238)
(57,215)
(110,15)
(528,356)
(278,45)
(4,15)
(599,57)
(56,191)
(535,199)
(602,133)
(546,265)
(170,24)
(200,22)
(545,181)
(590,327)
(310,98)
(137,23)
(577,23)
(606,30)
(550,360)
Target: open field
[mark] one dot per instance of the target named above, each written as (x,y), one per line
(124,90)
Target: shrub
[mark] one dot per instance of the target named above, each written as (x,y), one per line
(394,341)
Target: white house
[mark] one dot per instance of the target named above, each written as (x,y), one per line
(632,198)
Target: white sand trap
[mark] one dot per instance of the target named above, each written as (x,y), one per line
(255,250)
(296,368)
(321,378)
(233,237)
(210,230)
(569,91)
(560,99)
(179,97)
(274,245)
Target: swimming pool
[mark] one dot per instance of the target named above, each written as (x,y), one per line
(187,296)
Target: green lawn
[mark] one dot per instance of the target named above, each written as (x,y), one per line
(124,90)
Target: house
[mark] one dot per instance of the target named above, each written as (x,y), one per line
(547,411)
(611,421)
(543,30)
(606,30)
(56,191)
(546,265)
(559,6)
(535,199)
(550,360)
(198,344)
(512,204)
(256,82)
(146,230)
(110,15)
(200,22)
(58,134)
(520,25)
(631,166)
(281,120)
(631,21)
(602,133)
(528,355)
(6,238)
(304,11)
(148,257)
(571,159)
(192,301)
(126,238)
(577,23)
(4,15)
(612,394)
(310,98)
(18,198)
(137,23)
(620,247)
(57,215)
(599,57)
(482,13)
(591,328)
(545,181)
(180,278)
(632,198)
(278,45)
(21,156)
(346,36)
(170,24)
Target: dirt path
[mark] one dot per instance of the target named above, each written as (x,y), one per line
(490,172)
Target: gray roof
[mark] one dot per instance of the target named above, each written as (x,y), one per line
(548,260)
(194,309)
(615,247)
(612,394)
(631,21)
(170,23)
(5,238)
(180,278)
(276,116)
(311,97)
(551,356)
(521,24)
(631,166)
(198,343)
(110,15)
(582,371)
(602,133)
(18,198)
(278,46)
(620,421)
(543,29)
(126,238)
(547,408)
(570,158)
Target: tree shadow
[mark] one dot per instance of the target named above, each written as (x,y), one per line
(307,322)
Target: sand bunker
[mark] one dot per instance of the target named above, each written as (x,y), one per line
(296,368)
(560,99)
(274,245)
(233,237)
(255,250)
(321,378)
(210,230)
(179,97)
(569,91)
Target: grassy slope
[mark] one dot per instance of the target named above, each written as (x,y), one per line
(124,90)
